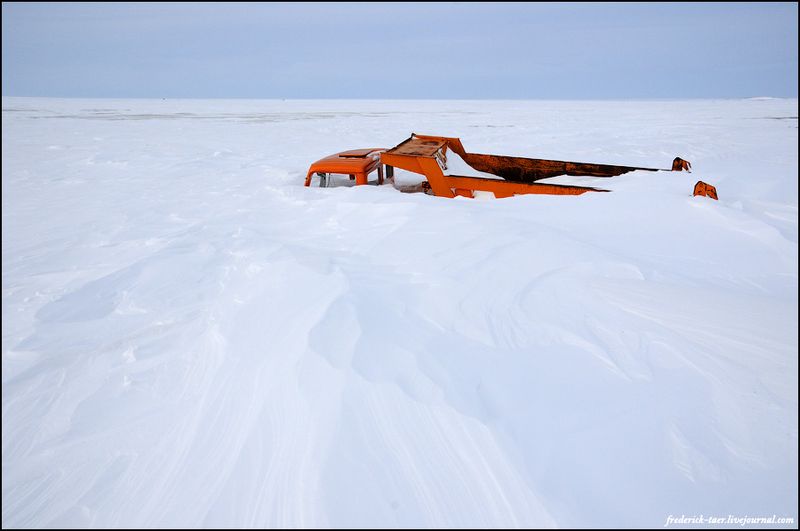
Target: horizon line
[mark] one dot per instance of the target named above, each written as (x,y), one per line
(156,98)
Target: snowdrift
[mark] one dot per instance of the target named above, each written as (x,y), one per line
(191,338)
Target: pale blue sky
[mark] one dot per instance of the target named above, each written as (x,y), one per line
(387,50)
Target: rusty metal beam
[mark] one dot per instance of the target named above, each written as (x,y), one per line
(426,155)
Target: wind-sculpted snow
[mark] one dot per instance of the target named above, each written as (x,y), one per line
(192,338)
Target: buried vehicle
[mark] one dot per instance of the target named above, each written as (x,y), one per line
(501,175)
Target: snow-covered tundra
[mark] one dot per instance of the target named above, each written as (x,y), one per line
(192,338)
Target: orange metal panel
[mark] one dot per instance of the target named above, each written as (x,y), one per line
(706,190)
(430,168)
(502,188)
(405,162)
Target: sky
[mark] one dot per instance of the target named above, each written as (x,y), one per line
(400,50)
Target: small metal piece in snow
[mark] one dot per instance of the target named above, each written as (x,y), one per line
(706,190)
(681,165)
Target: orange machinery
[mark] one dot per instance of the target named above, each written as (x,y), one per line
(427,156)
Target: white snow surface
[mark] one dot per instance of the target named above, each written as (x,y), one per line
(458,166)
(192,338)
